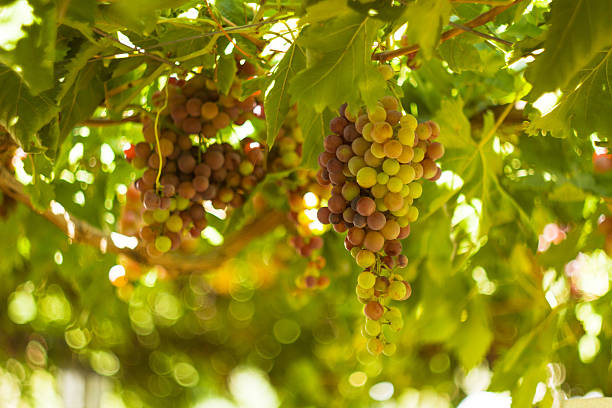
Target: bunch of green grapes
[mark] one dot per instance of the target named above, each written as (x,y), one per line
(374,161)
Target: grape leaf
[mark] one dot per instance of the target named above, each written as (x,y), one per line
(584,105)
(522,395)
(579,29)
(226,71)
(21,112)
(277,102)
(473,337)
(33,56)
(314,126)
(340,69)
(461,55)
(425,20)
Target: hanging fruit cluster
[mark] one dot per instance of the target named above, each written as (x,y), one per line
(374,161)
(186,164)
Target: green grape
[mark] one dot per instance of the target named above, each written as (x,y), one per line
(419,154)
(365,293)
(413,214)
(355,164)
(365,258)
(406,173)
(366,177)
(161,215)
(371,160)
(389,349)
(407,155)
(416,189)
(354,251)
(394,201)
(174,223)
(389,102)
(147,218)
(409,121)
(405,190)
(381,131)
(379,190)
(380,205)
(378,114)
(382,178)
(391,167)
(395,184)
(396,324)
(406,136)
(393,149)
(182,203)
(163,243)
(386,71)
(350,190)
(360,146)
(397,290)
(372,327)
(366,279)
(377,150)
(423,131)
(367,132)
(403,221)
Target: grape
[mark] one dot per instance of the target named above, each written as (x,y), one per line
(197,213)
(389,349)
(142,150)
(393,201)
(371,160)
(382,283)
(367,131)
(344,153)
(395,184)
(186,190)
(174,223)
(402,260)
(435,129)
(336,204)
(406,156)
(423,131)
(193,106)
(331,143)
(404,232)
(379,190)
(222,120)
(390,230)
(375,346)
(364,293)
(350,133)
(366,177)
(163,244)
(202,169)
(365,258)
(360,146)
(382,178)
(397,290)
(386,71)
(393,247)
(377,150)
(393,149)
(340,227)
(152,251)
(323,215)
(214,159)
(350,190)
(408,121)
(361,122)
(429,168)
(373,310)
(366,279)
(151,200)
(161,215)
(186,163)
(149,177)
(184,142)
(413,214)
(373,241)
(418,170)
(376,221)
(365,206)
(416,189)
(337,124)
(377,114)
(389,102)
(391,167)
(393,117)
(380,205)
(337,178)
(406,136)
(372,327)
(435,151)
(178,113)
(359,221)
(348,215)
(323,177)
(191,125)
(335,166)
(381,131)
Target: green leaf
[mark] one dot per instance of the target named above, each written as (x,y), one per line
(277,102)
(226,71)
(472,339)
(579,29)
(33,55)
(584,105)
(522,395)
(461,55)
(314,126)
(339,67)
(425,19)
(21,112)
(235,10)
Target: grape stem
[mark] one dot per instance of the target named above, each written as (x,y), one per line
(79,231)
(447,35)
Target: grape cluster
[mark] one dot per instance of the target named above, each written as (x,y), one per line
(184,168)
(374,161)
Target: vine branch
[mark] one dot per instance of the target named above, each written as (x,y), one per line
(447,35)
(82,232)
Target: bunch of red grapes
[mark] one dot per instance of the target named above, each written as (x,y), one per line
(184,168)
(374,161)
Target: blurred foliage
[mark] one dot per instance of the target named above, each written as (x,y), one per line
(510,277)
